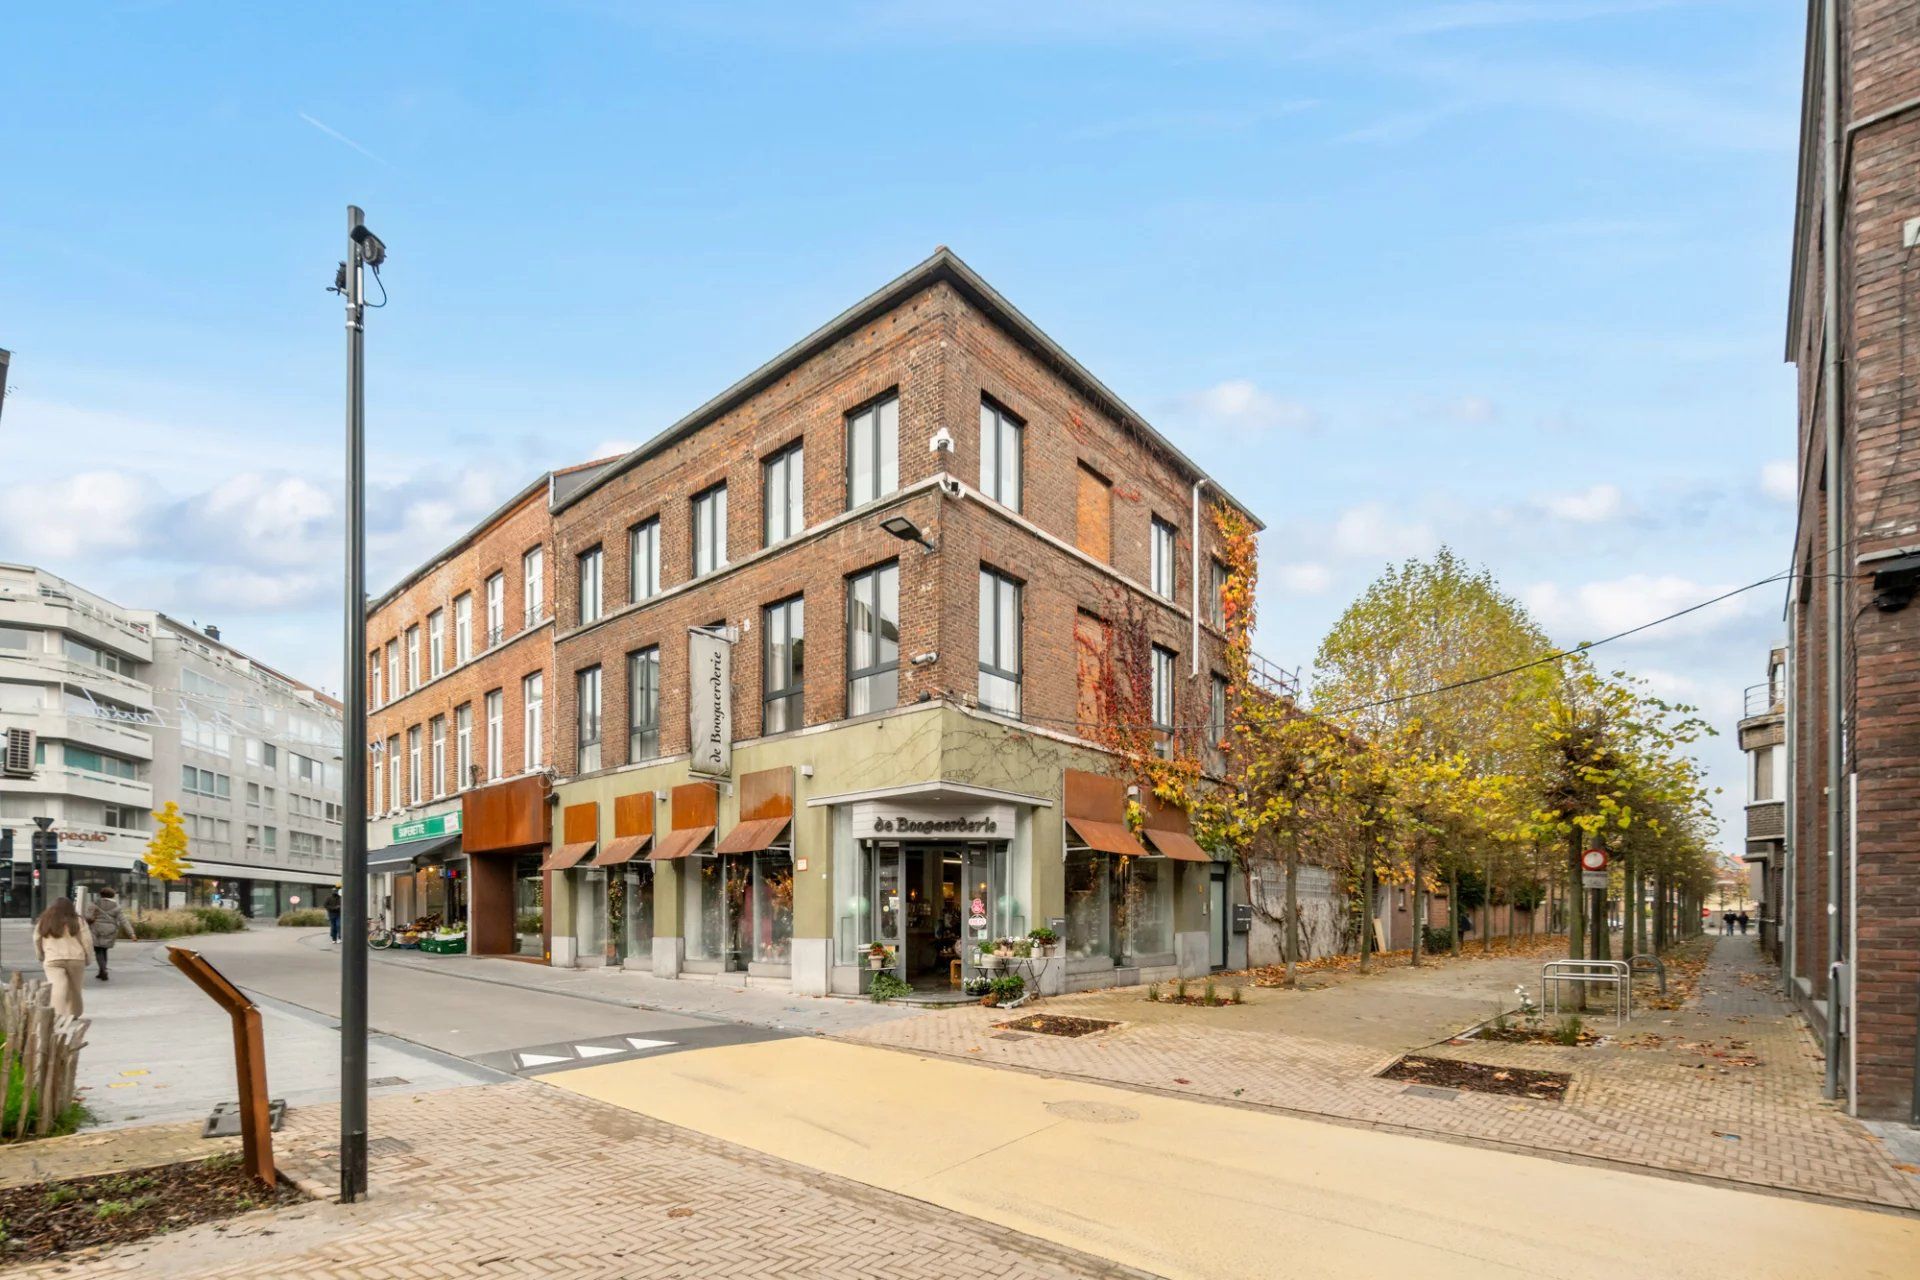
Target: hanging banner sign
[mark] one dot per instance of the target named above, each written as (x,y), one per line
(710,704)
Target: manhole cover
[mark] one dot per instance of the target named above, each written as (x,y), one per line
(1092,1112)
(1429,1091)
(388,1146)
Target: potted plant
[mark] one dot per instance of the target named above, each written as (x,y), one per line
(1045,939)
(879,956)
(989,956)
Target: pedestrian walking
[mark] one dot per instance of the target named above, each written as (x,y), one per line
(1743,924)
(59,939)
(1726,924)
(108,922)
(333,915)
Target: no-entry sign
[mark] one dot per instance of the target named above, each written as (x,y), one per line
(1593,860)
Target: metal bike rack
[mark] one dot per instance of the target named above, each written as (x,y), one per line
(1617,974)
(1659,966)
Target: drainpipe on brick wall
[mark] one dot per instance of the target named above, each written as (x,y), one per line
(1836,502)
(1198,485)
(1789,895)
(1853,948)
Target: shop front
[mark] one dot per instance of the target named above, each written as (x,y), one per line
(932,877)
(735,889)
(419,881)
(504,831)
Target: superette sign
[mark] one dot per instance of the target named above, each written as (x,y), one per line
(440,824)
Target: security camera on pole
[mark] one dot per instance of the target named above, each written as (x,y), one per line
(364,252)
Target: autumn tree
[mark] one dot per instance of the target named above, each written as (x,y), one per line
(167,850)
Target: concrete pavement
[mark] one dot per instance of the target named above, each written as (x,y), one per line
(1189,1189)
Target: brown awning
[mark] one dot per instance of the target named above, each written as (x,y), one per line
(621,849)
(752,835)
(567,855)
(678,844)
(1177,844)
(1107,837)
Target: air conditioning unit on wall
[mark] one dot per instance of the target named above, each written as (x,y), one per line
(18,760)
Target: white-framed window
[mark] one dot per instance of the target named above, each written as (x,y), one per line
(873,450)
(373,683)
(394,799)
(784,505)
(643,560)
(438,728)
(379,786)
(590,562)
(1763,780)
(496,733)
(873,639)
(496,610)
(783,665)
(999,643)
(413,657)
(393,670)
(1163,577)
(532,735)
(463,746)
(587,716)
(463,627)
(1217,721)
(533,585)
(415,793)
(710,530)
(1217,594)
(437,642)
(643,704)
(1163,660)
(1000,436)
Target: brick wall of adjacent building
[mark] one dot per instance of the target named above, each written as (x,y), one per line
(1880,690)
(497,547)
(940,354)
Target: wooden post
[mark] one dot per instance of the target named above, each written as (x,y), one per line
(249,1060)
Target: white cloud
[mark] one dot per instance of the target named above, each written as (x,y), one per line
(1476,410)
(1594,610)
(1240,404)
(1370,531)
(92,511)
(1304,578)
(251,590)
(611,449)
(1780,480)
(1593,505)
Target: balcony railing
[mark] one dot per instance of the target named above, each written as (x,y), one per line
(1272,677)
(1762,699)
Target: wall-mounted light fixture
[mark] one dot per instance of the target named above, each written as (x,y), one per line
(905,530)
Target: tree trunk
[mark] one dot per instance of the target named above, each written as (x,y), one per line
(1419,913)
(1453,905)
(1576,901)
(1602,935)
(1293,917)
(1366,913)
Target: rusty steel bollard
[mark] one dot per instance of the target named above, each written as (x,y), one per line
(249,1059)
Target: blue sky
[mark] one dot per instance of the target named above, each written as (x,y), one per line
(1506,274)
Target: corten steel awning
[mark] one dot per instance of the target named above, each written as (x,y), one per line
(567,855)
(1177,844)
(752,836)
(621,849)
(404,857)
(1106,837)
(678,844)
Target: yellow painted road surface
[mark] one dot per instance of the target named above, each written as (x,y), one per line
(1186,1188)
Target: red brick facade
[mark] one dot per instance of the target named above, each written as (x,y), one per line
(940,340)
(1879,482)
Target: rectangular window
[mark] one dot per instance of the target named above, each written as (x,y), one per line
(1217,722)
(783,666)
(710,530)
(999,643)
(415,794)
(1163,700)
(785,511)
(532,736)
(463,747)
(873,450)
(643,705)
(81,758)
(437,642)
(373,683)
(1093,515)
(1162,576)
(643,560)
(496,726)
(1217,594)
(413,657)
(1000,435)
(394,799)
(590,586)
(270,839)
(379,787)
(1762,774)
(463,627)
(393,670)
(533,585)
(438,725)
(496,610)
(873,640)
(587,716)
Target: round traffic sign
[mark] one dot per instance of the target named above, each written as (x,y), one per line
(1594,860)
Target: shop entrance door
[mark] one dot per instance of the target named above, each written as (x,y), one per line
(1218,918)
(889,900)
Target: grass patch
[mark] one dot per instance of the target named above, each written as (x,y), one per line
(188,921)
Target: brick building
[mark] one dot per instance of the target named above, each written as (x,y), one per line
(877,573)
(460,728)
(1852,862)
(1762,732)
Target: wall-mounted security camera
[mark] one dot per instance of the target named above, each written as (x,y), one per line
(942,442)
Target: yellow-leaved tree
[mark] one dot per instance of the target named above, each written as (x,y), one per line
(167,851)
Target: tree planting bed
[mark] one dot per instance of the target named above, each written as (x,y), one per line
(1479,1077)
(51,1219)
(1049,1024)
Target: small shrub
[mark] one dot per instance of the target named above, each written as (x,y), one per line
(885,986)
(59,1195)
(1153,993)
(1207,996)
(1236,996)
(180,924)
(121,1208)
(1180,989)
(303,918)
(1567,1030)
(219,919)
(1043,935)
(529,922)
(1008,987)
(1433,940)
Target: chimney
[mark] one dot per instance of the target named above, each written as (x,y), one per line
(213,632)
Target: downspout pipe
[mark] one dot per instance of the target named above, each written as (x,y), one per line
(1789,884)
(1194,647)
(1836,504)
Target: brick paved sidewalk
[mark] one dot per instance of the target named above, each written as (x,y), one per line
(524,1180)
(1319,1052)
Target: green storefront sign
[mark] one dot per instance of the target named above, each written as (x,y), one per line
(440,824)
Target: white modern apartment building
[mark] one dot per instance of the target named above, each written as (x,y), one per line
(108,713)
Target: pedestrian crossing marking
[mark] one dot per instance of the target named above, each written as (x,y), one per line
(639,1043)
(596,1050)
(541,1059)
